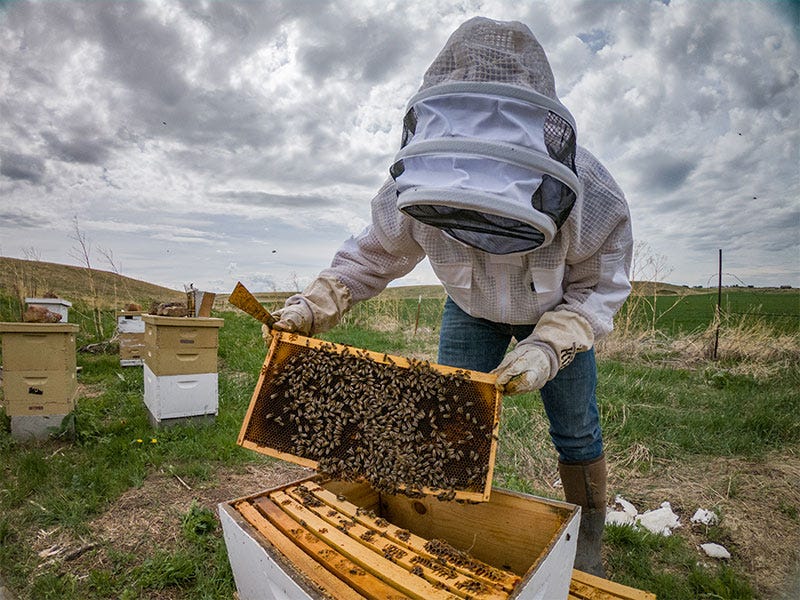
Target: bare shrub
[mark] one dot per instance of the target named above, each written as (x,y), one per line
(747,346)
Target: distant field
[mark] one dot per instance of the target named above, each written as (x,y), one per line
(776,309)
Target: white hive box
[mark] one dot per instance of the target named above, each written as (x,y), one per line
(180,368)
(357,543)
(56,305)
(131,335)
(180,396)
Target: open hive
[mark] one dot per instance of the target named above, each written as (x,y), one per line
(322,539)
(402,425)
(318,538)
(367,553)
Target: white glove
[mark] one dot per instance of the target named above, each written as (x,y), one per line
(525,369)
(565,333)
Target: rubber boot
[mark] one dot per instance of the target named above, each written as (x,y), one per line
(585,485)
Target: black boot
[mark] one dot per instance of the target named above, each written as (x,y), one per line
(585,485)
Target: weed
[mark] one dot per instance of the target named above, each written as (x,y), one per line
(790,510)
(198,522)
(167,569)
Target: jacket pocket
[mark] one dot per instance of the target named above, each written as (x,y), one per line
(547,285)
(453,275)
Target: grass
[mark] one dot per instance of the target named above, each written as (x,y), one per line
(662,402)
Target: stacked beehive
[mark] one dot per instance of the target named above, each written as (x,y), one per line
(130,331)
(180,368)
(39,376)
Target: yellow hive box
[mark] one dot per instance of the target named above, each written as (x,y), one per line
(181,332)
(31,393)
(168,361)
(38,346)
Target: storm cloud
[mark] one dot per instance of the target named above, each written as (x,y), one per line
(250,136)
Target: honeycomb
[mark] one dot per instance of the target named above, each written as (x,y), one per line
(402,425)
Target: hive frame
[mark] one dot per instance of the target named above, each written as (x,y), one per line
(485,381)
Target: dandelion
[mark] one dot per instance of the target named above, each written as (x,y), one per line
(153,441)
(138,440)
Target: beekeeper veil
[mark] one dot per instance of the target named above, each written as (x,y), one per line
(488,151)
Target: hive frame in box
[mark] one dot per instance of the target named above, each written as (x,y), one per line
(482,387)
(298,560)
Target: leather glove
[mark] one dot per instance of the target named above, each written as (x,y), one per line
(525,369)
(555,340)
(318,308)
(293,319)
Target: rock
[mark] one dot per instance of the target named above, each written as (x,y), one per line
(170,309)
(661,520)
(705,517)
(39,314)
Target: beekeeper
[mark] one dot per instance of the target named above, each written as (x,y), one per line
(527,231)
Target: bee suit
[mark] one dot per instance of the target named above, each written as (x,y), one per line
(527,231)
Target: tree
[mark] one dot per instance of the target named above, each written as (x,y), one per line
(82,252)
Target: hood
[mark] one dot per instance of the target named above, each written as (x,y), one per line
(488,151)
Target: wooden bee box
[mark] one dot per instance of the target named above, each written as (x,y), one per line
(323,539)
(400,424)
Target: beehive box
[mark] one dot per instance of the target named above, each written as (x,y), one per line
(130,332)
(180,368)
(39,368)
(181,345)
(170,397)
(400,424)
(38,346)
(39,376)
(324,539)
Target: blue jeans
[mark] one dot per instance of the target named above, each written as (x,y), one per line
(569,399)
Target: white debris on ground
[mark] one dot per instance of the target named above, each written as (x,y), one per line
(662,521)
(626,515)
(715,551)
(705,517)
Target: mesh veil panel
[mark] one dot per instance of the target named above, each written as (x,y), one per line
(491,233)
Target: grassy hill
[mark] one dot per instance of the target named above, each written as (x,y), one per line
(23,278)
(28,278)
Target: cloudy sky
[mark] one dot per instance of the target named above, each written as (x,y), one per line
(216,141)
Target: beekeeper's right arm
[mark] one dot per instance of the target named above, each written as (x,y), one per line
(360,269)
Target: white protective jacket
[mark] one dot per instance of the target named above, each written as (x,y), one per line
(582,268)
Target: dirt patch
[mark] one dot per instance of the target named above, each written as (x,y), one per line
(759,502)
(147,518)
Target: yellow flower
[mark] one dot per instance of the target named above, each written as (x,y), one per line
(138,441)
(154,441)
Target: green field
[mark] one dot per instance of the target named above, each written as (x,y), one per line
(777,310)
(723,434)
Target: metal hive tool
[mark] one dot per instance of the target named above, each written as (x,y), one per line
(402,425)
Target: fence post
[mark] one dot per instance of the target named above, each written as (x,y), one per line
(719,305)
(416,321)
